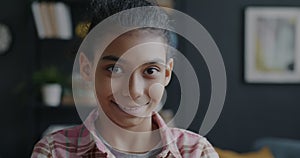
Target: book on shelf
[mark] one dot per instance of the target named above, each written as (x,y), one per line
(52,20)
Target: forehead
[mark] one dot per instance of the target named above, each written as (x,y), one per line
(138,45)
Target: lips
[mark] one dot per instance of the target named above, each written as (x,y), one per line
(133,110)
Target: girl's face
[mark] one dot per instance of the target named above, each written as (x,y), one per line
(130,77)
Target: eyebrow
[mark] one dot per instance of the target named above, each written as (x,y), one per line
(113,58)
(118,59)
(156,61)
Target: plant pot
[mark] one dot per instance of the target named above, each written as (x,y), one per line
(51,94)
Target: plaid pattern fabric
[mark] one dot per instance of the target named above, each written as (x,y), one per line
(79,142)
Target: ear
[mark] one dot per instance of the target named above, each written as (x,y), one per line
(169,70)
(85,67)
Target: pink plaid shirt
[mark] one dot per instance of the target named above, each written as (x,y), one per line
(80,142)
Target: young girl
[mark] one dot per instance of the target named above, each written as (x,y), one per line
(129,78)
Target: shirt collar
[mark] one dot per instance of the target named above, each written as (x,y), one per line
(168,139)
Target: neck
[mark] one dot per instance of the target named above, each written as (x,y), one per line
(136,139)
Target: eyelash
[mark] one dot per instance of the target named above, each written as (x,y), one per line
(111,69)
(151,68)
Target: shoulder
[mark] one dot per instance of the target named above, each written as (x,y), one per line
(69,135)
(62,140)
(192,144)
(185,137)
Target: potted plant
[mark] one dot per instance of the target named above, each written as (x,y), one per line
(50,82)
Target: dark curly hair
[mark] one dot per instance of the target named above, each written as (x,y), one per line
(99,10)
(102,9)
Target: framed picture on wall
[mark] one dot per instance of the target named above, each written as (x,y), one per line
(272,45)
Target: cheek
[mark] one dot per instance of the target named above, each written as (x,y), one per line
(102,86)
(156,91)
(107,86)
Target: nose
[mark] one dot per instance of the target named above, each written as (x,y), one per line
(136,86)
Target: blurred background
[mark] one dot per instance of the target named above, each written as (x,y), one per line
(37,47)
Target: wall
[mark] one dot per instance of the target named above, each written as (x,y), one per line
(15,67)
(251,111)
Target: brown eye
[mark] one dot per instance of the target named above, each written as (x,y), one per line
(151,71)
(115,69)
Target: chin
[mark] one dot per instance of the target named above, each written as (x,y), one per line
(129,122)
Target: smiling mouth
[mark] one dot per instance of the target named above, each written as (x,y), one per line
(135,110)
